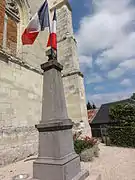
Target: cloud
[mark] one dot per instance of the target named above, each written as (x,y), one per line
(85,62)
(124,49)
(109,30)
(99,99)
(126,82)
(99,88)
(123,68)
(128,64)
(114,74)
(106,45)
(94,78)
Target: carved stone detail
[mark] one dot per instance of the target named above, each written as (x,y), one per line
(11,6)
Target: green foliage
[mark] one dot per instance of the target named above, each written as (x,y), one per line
(133,96)
(86,147)
(89,106)
(94,106)
(124,134)
(123,113)
(82,144)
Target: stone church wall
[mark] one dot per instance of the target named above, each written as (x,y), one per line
(20,110)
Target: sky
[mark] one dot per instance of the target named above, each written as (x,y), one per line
(105,34)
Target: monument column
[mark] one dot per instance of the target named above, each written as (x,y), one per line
(57,159)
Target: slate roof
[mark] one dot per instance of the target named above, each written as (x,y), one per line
(102,116)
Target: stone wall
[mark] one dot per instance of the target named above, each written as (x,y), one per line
(17,144)
(20,110)
(75,99)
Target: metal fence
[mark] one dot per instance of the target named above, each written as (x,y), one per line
(101,133)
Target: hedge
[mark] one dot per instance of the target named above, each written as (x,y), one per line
(122,136)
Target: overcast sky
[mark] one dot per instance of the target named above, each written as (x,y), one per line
(105,32)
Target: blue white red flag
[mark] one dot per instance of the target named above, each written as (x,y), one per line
(52,41)
(38,23)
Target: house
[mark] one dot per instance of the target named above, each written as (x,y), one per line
(102,118)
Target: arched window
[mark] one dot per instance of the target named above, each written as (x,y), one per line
(11,20)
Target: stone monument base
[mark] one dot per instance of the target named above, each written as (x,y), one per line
(57,159)
(84,175)
(60,169)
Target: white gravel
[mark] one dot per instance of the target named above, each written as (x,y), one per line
(113,163)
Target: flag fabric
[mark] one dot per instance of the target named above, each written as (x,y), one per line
(38,23)
(52,41)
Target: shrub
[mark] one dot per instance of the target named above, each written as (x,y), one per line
(83,143)
(86,147)
(122,134)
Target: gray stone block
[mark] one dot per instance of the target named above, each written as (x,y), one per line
(66,168)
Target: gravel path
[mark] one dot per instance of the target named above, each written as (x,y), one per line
(114,164)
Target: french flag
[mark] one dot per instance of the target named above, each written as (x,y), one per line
(52,41)
(38,23)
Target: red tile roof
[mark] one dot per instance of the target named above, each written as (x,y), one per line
(91,114)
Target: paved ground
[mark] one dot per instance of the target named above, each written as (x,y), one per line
(114,164)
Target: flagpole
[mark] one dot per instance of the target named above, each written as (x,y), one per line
(56,34)
(52,52)
(50,40)
(50,58)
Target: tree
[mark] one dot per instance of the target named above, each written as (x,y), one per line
(133,96)
(89,106)
(94,106)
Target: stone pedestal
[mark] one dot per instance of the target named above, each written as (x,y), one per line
(57,159)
